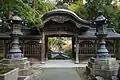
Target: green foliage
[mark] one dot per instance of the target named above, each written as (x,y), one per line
(59,44)
(79,8)
(6,5)
(76,5)
(118,7)
(3,71)
(116,22)
(26,12)
(109,10)
(89,10)
(43,7)
(25,9)
(94,5)
(69,53)
(1,59)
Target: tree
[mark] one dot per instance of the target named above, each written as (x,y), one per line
(79,8)
(109,10)
(89,10)
(58,43)
(43,7)
(6,6)
(25,9)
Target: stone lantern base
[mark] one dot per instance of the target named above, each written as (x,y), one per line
(23,64)
(102,69)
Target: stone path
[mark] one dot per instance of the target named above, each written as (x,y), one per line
(62,64)
(60,74)
(62,70)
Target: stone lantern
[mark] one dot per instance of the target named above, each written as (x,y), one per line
(101,34)
(102,66)
(15,52)
(14,58)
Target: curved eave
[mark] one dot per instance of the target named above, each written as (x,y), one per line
(65,12)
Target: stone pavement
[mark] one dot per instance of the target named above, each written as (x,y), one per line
(60,74)
(62,70)
(63,64)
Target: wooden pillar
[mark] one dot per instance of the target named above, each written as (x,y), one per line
(77,51)
(95,47)
(43,48)
(23,47)
(114,52)
(4,52)
(117,50)
(46,48)
(73,49)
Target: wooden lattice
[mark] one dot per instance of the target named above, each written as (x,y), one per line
(32,48)
(88,48)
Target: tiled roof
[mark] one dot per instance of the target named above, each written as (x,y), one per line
(27,34)
(90,33)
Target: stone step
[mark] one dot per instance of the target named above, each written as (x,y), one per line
(14,61)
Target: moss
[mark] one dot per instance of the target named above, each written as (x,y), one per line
(1,59)
(3,71)
(82,73)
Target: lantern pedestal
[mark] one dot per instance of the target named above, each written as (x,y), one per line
(19,63)
(23,64)
(102,69)
(15,51)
